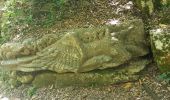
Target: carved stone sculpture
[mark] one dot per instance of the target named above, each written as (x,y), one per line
(78,50)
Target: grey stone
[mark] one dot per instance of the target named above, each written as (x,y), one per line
(160,42)
(86,56)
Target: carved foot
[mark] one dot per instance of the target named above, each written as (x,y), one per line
(19,78)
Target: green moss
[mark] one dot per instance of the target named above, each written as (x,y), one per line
(82,79)
(94,78)
(164,68)
(146,6)
(160,47)
(4,75)
(21,16)
(31,91)
(164,16)
(165,77)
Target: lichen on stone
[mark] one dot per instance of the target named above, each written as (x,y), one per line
(81,51)
(160,41)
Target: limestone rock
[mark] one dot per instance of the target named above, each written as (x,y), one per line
(87,56)
(78,50)
(160,41)
(125,73)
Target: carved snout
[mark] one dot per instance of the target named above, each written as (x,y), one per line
(16,64)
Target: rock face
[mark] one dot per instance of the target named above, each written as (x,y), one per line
(79,50)
(93,78)
(146,6)
(160,40)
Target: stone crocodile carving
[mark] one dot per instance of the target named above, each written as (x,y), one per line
(79,50)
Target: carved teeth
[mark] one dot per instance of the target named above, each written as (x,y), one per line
(115,39)
(16,63)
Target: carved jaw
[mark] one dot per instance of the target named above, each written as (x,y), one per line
(18,64)
(15,55)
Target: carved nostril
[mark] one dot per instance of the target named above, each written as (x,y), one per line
(101,35)
(25,52)
(88,39)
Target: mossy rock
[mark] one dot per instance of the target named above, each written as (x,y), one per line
(125,73)
(165,15)
(149,6)
(160,42)
(146,6)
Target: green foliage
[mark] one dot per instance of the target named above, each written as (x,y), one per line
(3,76)
(4,38)
(149,6)
(22,15)
(47,12)
(146,6)
(164,15)
(165,3)
(31,91)
(16,17)
(8,79)
(165,77)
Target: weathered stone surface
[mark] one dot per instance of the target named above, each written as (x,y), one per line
(160,41)
(147,6)
(125,73)
(86,56)
(79,50)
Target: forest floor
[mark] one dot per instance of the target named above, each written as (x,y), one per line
(148,87)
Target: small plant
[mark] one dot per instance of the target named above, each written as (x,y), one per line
(16,17)
(31,91)
(3,76)
(21,16)
(165,77)
(4,39)
(164,15)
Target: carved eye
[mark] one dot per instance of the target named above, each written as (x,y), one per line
(101,34)
(88,39)
(85,39)
(98,35)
